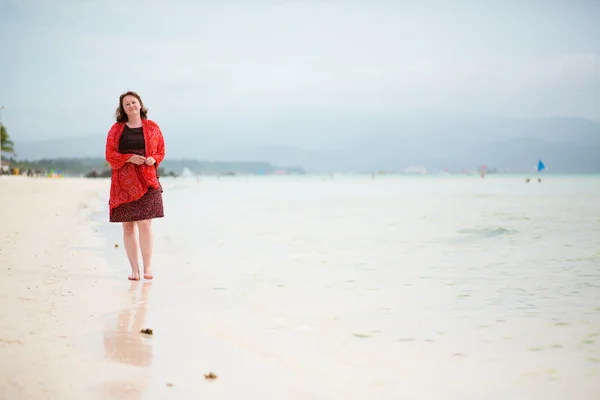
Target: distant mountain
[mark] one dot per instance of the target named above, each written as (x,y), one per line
(517,155)
(435,141)
(567,145)
(76,147)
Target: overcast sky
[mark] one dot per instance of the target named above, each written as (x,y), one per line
(233,66)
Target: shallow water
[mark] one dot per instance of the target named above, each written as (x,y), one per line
(409,287)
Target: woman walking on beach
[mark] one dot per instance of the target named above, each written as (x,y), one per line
(134,149)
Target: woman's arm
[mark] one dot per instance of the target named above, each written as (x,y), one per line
(159,154)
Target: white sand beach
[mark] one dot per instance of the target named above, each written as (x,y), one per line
(53,288)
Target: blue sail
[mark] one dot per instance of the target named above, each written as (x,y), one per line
(540,166)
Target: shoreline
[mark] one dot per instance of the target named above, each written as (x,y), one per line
(57,288)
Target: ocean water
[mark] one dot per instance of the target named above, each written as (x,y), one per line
(357,288)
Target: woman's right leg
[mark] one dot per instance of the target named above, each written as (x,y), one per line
(131,247)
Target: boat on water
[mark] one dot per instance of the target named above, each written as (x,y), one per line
(540,167)
(415,170)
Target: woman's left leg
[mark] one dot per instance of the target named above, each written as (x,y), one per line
(145,229)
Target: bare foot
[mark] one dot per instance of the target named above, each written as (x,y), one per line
(148,275)
(135,276)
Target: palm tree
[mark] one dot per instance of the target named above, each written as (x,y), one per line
(6,145)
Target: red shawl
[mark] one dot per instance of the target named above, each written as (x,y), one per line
(130,182)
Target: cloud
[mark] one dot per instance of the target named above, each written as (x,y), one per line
(259,61)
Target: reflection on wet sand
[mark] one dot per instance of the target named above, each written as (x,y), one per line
(122,391)
(126,344)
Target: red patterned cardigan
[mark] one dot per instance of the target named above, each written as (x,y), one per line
(129,182)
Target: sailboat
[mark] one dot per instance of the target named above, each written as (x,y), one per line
(539,168)
(187,173)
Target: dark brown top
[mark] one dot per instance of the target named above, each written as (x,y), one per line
(131,139)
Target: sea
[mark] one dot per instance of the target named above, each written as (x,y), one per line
(367,287)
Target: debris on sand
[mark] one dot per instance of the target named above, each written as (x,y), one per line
(11,341)
(116,246)
(169,384)
(147,331)
(210,375)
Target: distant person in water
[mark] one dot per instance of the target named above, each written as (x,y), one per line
(134,148)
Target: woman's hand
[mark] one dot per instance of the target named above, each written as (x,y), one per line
(150,161)
(137,160)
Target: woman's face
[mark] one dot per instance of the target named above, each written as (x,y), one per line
(131,105)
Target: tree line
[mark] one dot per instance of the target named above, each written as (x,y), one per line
(98,167)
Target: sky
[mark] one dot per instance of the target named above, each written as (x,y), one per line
(232,71)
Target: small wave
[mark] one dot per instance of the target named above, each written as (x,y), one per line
(488,232)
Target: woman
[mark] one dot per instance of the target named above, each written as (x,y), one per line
(134,149)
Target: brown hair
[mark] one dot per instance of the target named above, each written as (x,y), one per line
(122,116)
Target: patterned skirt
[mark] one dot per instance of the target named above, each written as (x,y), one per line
(148,206)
